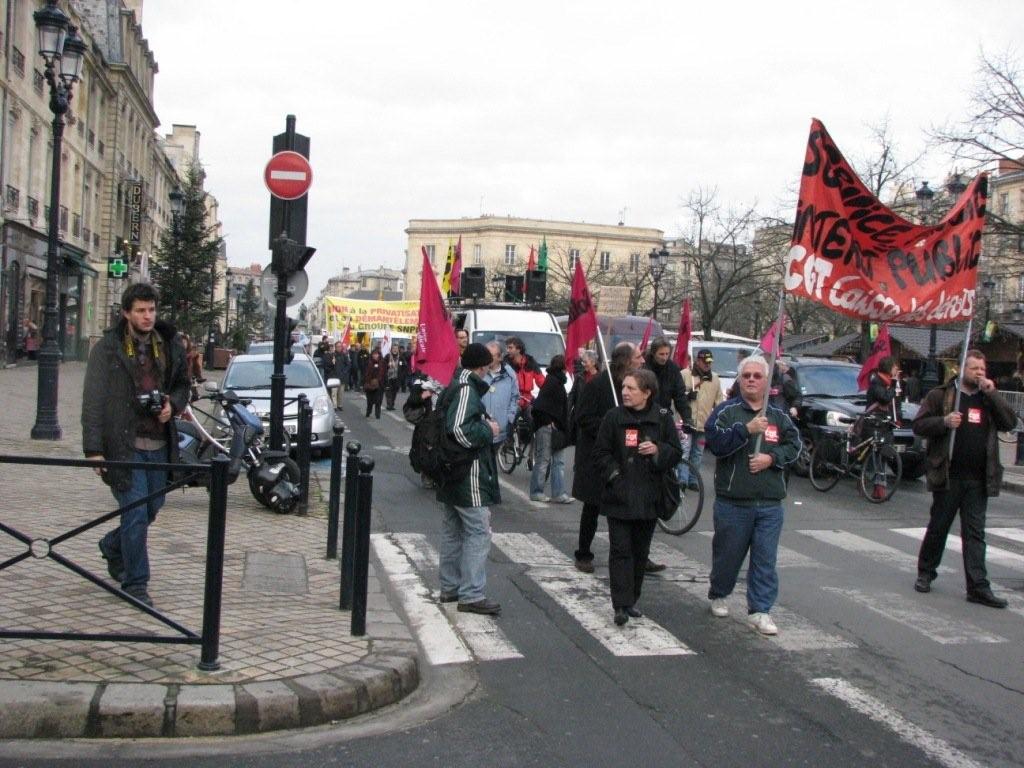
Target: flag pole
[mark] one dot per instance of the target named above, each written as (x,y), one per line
(607,364)
(960,380)
(771,363)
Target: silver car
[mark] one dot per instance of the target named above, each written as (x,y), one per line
(249,377)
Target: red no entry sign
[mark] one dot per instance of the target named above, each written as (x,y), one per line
(288,175)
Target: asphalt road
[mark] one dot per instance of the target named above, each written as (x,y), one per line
(864,671)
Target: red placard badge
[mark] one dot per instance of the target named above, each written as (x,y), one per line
(771,434)
(632,438)
(974,415)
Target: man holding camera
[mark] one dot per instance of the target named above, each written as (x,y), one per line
(136,380)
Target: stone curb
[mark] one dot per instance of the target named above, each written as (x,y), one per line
(47,710)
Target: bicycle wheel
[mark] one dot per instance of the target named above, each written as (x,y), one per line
(880,474)
(825,465)
(1011,436)
(689,509)
(508,454)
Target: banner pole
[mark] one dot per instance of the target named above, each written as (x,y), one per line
(960,380)
(607,364)
(771,363)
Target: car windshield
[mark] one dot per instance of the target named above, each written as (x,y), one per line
(255,374)
(726,360)
(829,380)
(541,346)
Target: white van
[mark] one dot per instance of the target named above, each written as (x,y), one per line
(727,355)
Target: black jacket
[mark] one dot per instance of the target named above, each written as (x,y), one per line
(671,390)
(552,404)
(594,402)
(109,405)
(881,396)
(632,482)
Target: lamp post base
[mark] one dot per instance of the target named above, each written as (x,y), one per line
(47,427)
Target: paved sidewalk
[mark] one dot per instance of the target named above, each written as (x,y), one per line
(287,658)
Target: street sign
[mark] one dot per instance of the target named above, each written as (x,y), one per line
(117,268)
(288,175)
(298,284)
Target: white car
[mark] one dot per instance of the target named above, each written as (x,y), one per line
(248,376)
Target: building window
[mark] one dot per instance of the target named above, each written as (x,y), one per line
(574,258)
(606,260)
(101,147)
(634,262)
(76,225)
(63,218)
(92,136)
(86,235)
(96,239)
(33,208)
(478,255)
(1020,288)
(18,61)
(13,198)
(510,255)
(38,81)
(430,254)
(1004,202)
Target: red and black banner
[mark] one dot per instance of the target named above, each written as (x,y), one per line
(856,256)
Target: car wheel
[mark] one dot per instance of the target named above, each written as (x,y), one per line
(802,466)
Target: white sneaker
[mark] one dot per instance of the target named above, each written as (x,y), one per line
(539,497)
(563,499)
(762,622)
(719,607)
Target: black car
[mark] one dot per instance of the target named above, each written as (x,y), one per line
(829,400)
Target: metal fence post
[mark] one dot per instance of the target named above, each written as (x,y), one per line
(334,499)
(362,553)
(1018,460)
(305,437)
(212,591)
(348,524)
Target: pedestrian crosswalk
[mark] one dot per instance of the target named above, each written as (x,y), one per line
(449,637)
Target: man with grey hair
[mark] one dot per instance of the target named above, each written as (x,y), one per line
(752,452)
(502,397)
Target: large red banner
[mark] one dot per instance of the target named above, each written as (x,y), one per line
(856,256)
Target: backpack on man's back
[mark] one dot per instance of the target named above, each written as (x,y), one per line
(434,452)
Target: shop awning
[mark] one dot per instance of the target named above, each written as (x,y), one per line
(78,263)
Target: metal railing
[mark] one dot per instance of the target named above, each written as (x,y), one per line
(208,638)
(1016,401)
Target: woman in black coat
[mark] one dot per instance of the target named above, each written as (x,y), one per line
(550,412)
(636,445)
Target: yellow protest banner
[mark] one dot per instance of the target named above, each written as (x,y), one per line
(367,316)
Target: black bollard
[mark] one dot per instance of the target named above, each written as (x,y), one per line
(334,500)
(1018,460)
(348,523)
(362,548)
(305,437)
(213,588)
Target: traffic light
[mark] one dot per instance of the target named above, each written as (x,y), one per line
(289,340)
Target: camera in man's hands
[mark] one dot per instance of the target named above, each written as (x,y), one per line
(152,402)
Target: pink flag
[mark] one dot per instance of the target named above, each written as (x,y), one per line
(682,354)
(881,348)
(346,336)
(582,327)
(456,276)
(767,344)
(437,351)
(647,335)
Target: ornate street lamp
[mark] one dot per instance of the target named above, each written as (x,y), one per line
(659,262)
(60,46)
(930,376)
(988,286)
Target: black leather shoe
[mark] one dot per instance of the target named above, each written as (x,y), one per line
(140,594)
(446,598)
(923,584)
(653,567)
(621,617)
(985,597)
(485,607)
(115,566)
(586,566)
(634,612)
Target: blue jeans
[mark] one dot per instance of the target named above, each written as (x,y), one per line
(465,543)
(543,457)
(127,542)
(737,531)
(695,456)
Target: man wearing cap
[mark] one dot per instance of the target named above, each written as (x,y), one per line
(466,532)
(705,392)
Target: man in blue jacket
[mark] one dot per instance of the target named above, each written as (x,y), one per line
(750,484)
(502,397)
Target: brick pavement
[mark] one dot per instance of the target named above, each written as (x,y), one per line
(287,657)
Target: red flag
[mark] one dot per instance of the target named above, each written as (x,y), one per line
(767,344)
(881,348)
(582,327)
(437,351)
(682,354)
(854,255)
(346,335)
(647,335)
(531,263)
(456,277)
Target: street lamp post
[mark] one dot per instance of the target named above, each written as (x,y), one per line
(930,376)
(659,262)
(758,306)
(59,45)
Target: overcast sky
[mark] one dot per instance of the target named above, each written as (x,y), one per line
(555,110)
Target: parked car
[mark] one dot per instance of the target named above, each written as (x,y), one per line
(249,377)
(829,399)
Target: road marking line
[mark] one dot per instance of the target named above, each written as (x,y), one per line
(1013,534)
(430,626)
(516,491)
(481,633)
(937,749)
(908,612)
(586,599)
(992,554)
(880,553)
(788,558)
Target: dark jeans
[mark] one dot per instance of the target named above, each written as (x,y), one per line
(392,393)
(739,530)
(588,528)
(373,400)
(127,542)
(968,497)
(629,543)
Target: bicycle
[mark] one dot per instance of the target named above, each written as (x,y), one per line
(517,446)
(1011,435)
(874,457)
(689,509)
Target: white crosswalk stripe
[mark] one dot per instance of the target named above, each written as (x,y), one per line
(788,558)
(992,554)
(1013,534)
(585,598)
